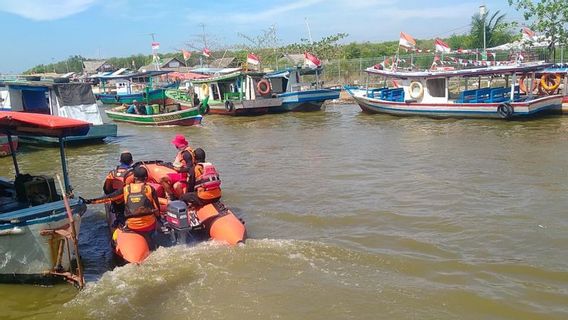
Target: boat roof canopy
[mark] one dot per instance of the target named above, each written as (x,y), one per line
(286,72)
(130,75)
(495,70)
(34,124)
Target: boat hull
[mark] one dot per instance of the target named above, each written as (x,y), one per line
(246,107)
(185,117)
(457,110)
(29,251)
(309,100)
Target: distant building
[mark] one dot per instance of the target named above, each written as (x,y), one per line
(170,64)
(97,66)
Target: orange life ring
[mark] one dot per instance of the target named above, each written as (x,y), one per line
(263,87)
(545,80)
(523,86)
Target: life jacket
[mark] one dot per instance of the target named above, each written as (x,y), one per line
(207,182)
(206,177)
(179,161)
(139,201)
(115,178)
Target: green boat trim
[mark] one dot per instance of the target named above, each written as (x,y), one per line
(182,117)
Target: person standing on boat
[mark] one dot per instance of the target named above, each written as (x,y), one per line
(205,182)
(175,184)
(141,205)
(115,180)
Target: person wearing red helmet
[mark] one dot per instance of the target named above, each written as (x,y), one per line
(175,184)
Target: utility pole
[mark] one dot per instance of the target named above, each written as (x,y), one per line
(483,14)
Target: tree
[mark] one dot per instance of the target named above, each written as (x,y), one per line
(549,17)
(326,48)
(497,31)
(265,45)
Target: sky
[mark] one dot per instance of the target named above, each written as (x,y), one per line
(44,31)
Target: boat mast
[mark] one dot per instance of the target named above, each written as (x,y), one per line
(155,52)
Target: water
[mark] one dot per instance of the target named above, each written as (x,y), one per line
(351,216)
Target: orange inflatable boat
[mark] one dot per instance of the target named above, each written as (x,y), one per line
(180,224)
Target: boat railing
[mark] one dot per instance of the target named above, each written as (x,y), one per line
(488,95)
(395,95)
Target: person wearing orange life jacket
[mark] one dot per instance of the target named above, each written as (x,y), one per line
(204,182)
(175,184)
(141,205)
(115,181)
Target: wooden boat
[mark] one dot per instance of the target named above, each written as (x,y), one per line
(184,99)
(68,100)
(35,242)
(237,93)
(297,95)
(123,92)
(427,93)
(182,117)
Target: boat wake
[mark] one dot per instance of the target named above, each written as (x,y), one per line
(189,281)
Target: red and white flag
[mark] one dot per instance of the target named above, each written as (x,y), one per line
(186,54)
(442,47)
(253,59)
(311,61)
(155,45)
(435,62)
(206,52)
(528,34)
(406,41)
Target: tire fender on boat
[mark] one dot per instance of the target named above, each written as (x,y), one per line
(505,110)
(411,90)
(229,105)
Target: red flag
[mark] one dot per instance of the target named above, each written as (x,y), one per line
(441,46)
(186,54)
(206,52)
(253,59)
(311,61)
(528,34)
(406,41)
(155,45)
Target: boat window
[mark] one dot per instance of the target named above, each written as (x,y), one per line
(277,85)
(436,87)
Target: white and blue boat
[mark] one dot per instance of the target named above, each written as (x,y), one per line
(36,242)
(297,95)
(68,100)
(488,92)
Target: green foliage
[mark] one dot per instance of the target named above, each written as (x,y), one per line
(327,48)
(497,31)
(549,17)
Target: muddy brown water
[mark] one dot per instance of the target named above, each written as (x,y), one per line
(350,216)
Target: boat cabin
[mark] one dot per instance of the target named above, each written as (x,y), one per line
(295,80)
(232,86)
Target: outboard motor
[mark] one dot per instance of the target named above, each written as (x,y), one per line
(181,220)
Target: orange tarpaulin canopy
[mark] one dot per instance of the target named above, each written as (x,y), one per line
(25,123)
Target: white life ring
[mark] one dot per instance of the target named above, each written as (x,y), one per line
(416,90)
